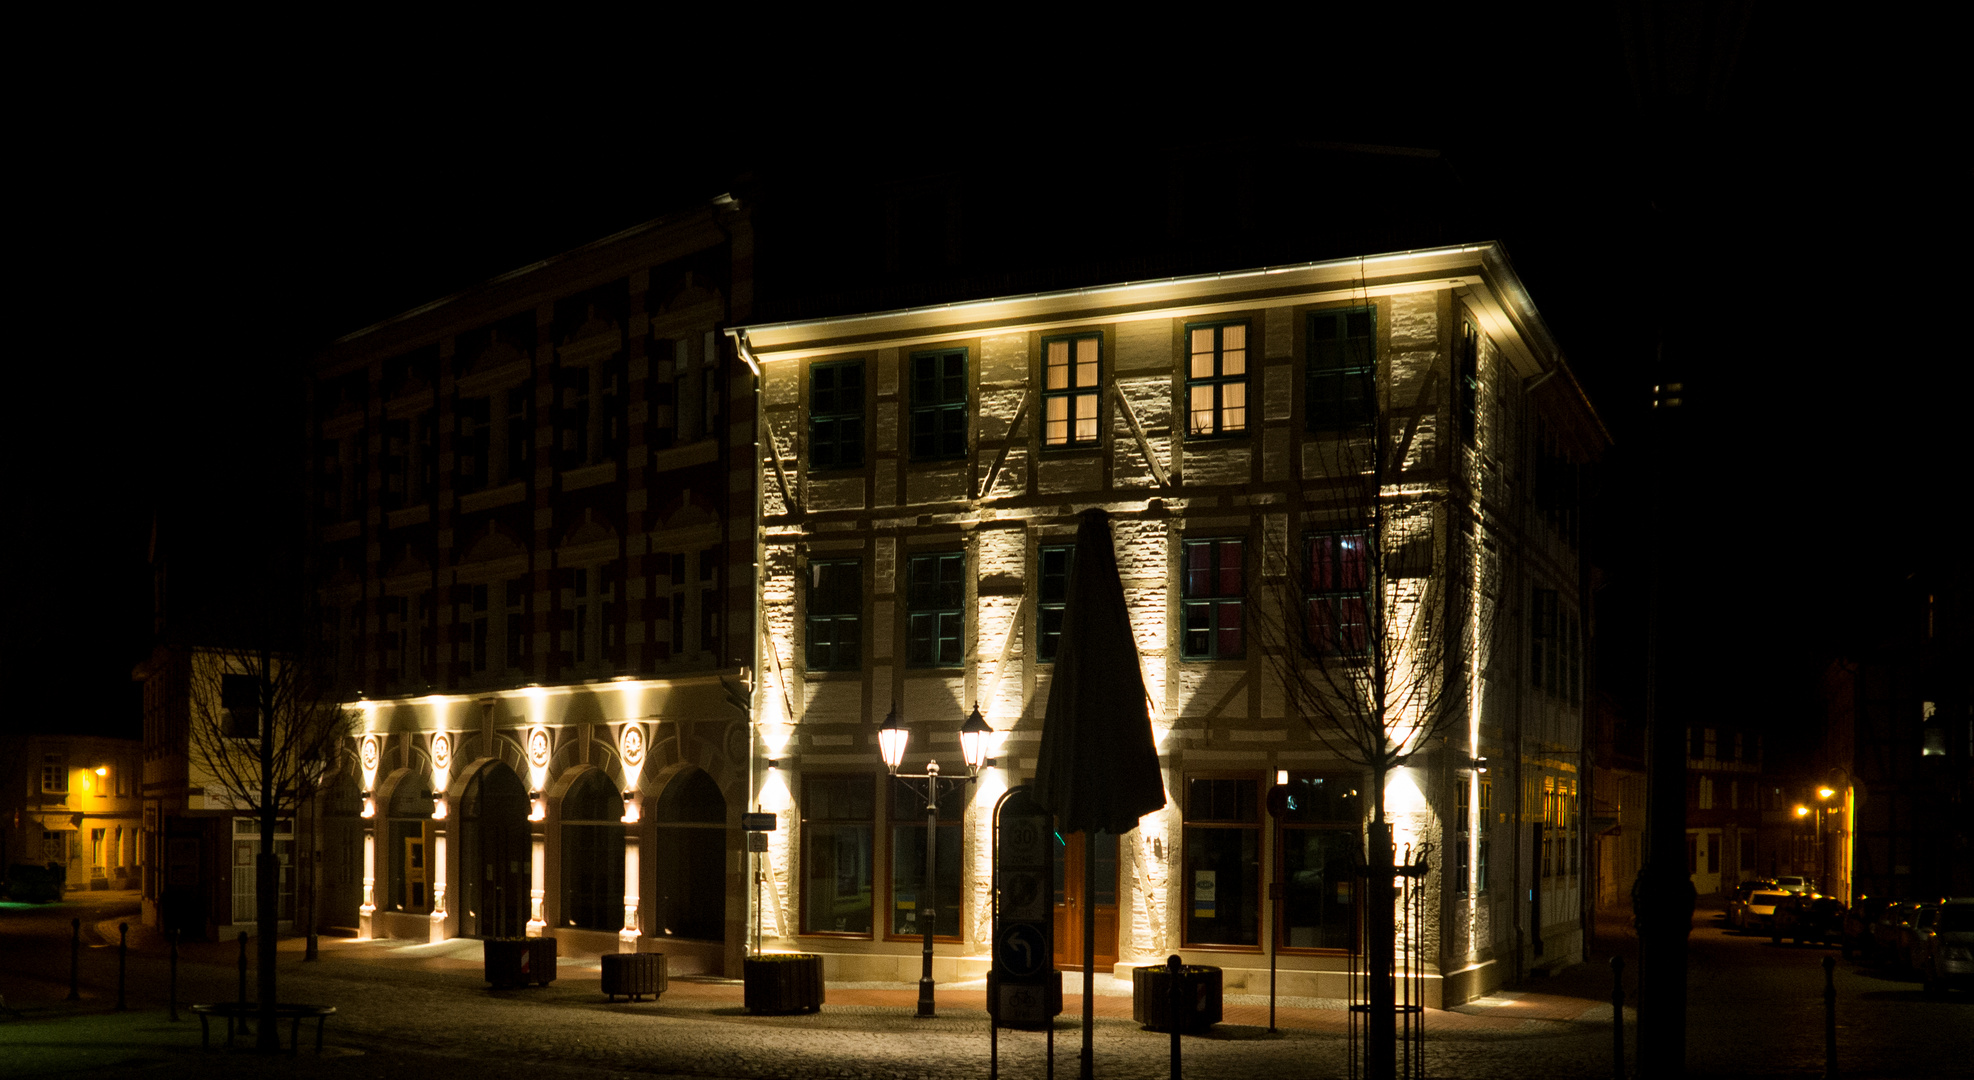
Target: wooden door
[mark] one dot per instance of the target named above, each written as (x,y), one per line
(1072,892)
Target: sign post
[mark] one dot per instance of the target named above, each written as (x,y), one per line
(1022,987)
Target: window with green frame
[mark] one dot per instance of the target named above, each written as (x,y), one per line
(1342,368)
(935,599)
(835,609)
(1466,383)
(1053,565)
(836,415)
(1071,380)
(1338,614)
(938,405)
(1214,590)
(1216,379)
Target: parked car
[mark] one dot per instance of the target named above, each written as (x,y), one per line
(1808,917)
(1944,953)
(1737,901)
(1795,883)
(1888,930)
(1759,913)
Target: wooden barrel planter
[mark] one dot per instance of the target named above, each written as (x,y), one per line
(1199,996)
(634,975)
(520,961)
(783,983)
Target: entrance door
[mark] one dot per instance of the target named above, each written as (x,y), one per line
(1072,893)
(497,867)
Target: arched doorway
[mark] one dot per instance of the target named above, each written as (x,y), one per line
(342,854)
(496,860)
(689,857)
(592,853)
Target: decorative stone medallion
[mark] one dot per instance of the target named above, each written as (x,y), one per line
(538,748)
(631,744)
(442,751)
(368,753)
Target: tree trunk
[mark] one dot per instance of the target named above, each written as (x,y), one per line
(267,912)
(1381,1023)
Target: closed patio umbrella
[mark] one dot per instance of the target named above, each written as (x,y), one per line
(1098,770)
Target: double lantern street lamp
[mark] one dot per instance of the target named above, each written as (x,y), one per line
(891,740)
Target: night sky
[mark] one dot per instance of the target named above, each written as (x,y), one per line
(1779,214)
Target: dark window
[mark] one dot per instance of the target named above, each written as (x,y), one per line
(1216,379)
(836,415)
(1223,863)
(515,622)
(838,829)
(472,443)
(239,706)
(1338,614)
(1319,861)
(1466,383)
(709,600)
(938,423)
(1542,654)
(1051,597)
(572,419)
(520,432)
(836,605)
(1071,380)
(908,861)
(1342,363)
(935,597)
(661,423)
(1215,588)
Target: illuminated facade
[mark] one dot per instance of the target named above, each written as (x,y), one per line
(532,543)
(71,801)
(919,476)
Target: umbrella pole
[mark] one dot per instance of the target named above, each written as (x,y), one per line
(1089,950)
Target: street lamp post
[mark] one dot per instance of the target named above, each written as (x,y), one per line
(891,740)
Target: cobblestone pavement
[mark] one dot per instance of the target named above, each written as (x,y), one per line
(424,1011)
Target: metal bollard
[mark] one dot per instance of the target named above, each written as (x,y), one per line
(75,960)
(1830,1018)
(123,956)
(1175,1004)
(241,1020)
(1617,1018)
(174,974)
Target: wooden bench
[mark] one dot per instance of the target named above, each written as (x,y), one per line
(236,1013)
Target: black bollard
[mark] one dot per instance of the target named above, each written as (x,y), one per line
(1617,1018)
(123,954)
(174,974)
(241,1020)
(1175,1002)
(75,960)
(1830,1018)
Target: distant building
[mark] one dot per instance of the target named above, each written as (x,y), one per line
(1899,748)
(71,801)
(532,538)
(920,475)
(1617,804)
(1723,810)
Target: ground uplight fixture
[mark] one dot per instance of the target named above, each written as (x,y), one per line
(892,738)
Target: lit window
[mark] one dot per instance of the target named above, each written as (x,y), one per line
(1214,591)
(1342,363)
(939,417)
(1216,379)
(935,592)
(1338,612)
(836,415)
(836,604)
(1071,381)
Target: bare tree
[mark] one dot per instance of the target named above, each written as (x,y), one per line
(1373,623)
(265,730)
